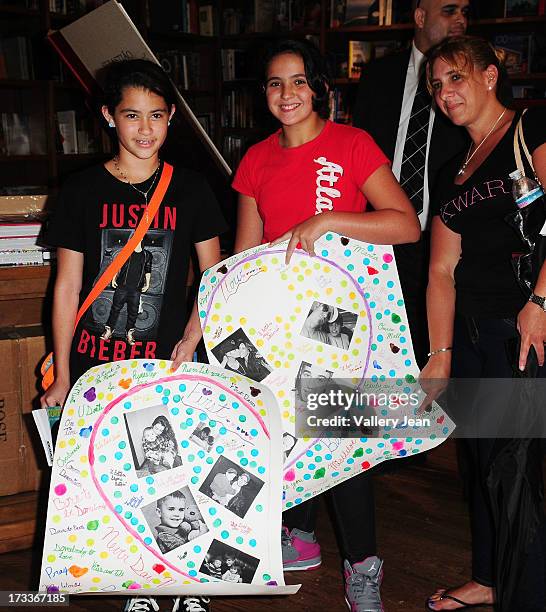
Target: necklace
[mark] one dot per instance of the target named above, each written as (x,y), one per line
(144,194)
(468,156)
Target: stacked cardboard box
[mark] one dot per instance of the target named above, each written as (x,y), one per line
(21,350)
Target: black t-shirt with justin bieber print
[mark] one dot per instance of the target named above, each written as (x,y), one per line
(485,282)
(95,215)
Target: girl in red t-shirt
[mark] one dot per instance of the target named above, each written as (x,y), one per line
(310,177)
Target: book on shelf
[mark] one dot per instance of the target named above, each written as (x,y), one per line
(232,21)
(66,120)
(207,122)
(339,111)
(29,229)
(523,8)
(15,58)
(206,20)
(360,12)
(264,15)
(516,48)
(14,134)
(238,109)
(179,16)
(234,64)
(360,53)
(107,34)
(381,48)
(183,67)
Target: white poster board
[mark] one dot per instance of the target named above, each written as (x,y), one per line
(165,484)
(281,314)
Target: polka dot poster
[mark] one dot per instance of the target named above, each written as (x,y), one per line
(337,315)
(165,483)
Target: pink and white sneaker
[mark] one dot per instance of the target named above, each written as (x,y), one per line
(300,550)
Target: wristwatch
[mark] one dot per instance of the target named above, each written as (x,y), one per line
(538,300)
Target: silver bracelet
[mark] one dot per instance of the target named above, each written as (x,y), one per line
(440,350)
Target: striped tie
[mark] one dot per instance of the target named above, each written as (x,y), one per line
(412,170)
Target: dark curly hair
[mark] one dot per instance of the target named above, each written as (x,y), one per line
(316,70)
(139,73)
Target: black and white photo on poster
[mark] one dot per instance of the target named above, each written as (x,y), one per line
(229,564)
(154,447)
(202,436)
(231,486)
(237,353)
(330,325)
(174,519)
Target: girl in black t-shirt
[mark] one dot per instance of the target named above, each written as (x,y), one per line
(475,310)
(97,211)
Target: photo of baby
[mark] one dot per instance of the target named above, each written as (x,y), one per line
(231,486)
(226,563)
(330,325)
(202,436)
(152,440)
(175,519)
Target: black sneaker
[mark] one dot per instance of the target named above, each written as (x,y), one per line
(191,603)
(141,604)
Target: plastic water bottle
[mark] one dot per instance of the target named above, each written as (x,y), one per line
(524,189)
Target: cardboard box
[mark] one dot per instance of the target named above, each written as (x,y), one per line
(21,351)
(22,207)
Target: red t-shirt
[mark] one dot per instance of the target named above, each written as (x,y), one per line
(292,184)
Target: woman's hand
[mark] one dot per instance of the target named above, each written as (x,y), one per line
(184,350)
(55,395)
(434,378)
(531,326)
(305,234)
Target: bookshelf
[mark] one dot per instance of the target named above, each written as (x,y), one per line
(239,33)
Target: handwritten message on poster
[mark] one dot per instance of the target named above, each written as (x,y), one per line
(339,314)
(165,483)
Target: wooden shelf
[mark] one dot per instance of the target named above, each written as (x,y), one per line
(25,158)
(226,39)
(7,9)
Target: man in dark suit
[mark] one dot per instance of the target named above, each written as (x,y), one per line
(395,108)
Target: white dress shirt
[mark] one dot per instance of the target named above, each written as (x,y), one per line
(410,87)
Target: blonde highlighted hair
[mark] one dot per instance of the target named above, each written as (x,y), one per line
(469,53)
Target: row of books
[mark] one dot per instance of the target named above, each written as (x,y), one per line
(74,7)
(28,4)
(524,53)
(21,134)
(238,109)
(183,67)
(19,245)
(524,8)
(233,149)
(181,16)
(16,58)
(80,134)
(235,64)
(369,12)
(272,15)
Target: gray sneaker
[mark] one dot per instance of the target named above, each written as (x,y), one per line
(362,583)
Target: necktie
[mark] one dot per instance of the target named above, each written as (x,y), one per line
(412,170)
